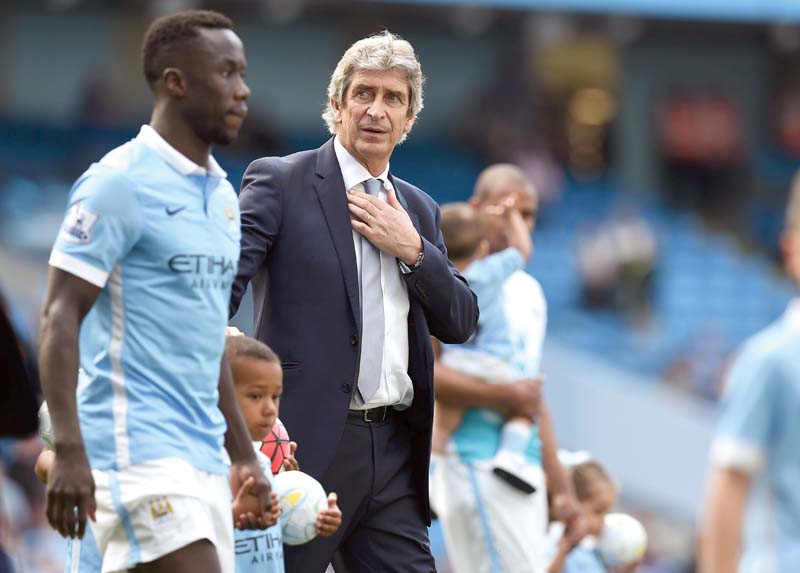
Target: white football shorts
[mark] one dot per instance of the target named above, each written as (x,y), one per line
(489,526)
(151,509)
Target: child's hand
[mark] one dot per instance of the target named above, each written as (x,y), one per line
(244,507)
(290,462)
(504,208)
(273,516)
(233,331)
(329,520)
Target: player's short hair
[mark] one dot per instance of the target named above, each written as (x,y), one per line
(382,52)
(245,346)
(499,175)
(463,230)
(168,34)
(585,475)
(793,205)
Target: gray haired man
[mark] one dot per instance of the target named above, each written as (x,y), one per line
(350,280)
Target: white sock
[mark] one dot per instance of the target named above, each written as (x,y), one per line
(515,436)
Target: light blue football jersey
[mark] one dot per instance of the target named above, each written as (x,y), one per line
(83,556)
(486,278)
(260,551)
(160,236)
(513,330)
(758,433)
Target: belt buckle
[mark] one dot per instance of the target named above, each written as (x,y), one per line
(368,419)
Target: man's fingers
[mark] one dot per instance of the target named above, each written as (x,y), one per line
(68,504)
(362,214)
(292,448)
(332,499)
(364,200)
(391,199)
(362,228)
(53,505)
(91,509)
(82,506)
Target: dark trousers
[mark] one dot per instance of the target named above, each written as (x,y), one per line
(382,530)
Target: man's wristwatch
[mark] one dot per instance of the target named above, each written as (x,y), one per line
(406,269)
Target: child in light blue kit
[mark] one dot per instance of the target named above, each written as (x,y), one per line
(258,379)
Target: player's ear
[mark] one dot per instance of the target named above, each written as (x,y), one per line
(174,82)
(483,249)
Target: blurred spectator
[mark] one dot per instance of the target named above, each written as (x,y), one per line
(700,367)
(17,387)
(97,106)
(616,262)
(701,140)
(31,544)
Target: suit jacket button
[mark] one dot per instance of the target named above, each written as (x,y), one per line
(354,340)
(346,388)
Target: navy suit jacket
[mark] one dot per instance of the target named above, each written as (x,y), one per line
(298,251)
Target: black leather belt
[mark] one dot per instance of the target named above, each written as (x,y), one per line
(378,414)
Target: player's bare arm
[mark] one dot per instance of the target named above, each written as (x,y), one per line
(237,442)
(517,399)
(720,546)
(70,484)
(565,503)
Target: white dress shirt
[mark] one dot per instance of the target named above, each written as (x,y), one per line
(395,387)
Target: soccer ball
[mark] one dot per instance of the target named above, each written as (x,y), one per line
(301,499)
(46,427)
(622,541)
(276,445)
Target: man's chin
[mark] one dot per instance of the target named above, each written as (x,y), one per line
(225,137)
(374,150)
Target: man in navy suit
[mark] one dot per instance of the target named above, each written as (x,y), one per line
(350,279)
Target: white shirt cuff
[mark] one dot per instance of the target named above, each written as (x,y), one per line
(727,452)
(79,268)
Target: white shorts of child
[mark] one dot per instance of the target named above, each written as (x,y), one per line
(148,510)
(489,526)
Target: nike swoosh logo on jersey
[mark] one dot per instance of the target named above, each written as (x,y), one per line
(172,212)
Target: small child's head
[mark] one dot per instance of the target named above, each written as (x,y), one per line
(596,492)
(258,379)
(464,234)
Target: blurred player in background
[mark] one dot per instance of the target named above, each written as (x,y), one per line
(752,513)
(258,379)
(471,501)
(141,271)
(490,353)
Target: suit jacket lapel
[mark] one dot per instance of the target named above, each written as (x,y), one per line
(400,197)
(332,195)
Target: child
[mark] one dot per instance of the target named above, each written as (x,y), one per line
(573,551)
(469,236)
(258,379)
